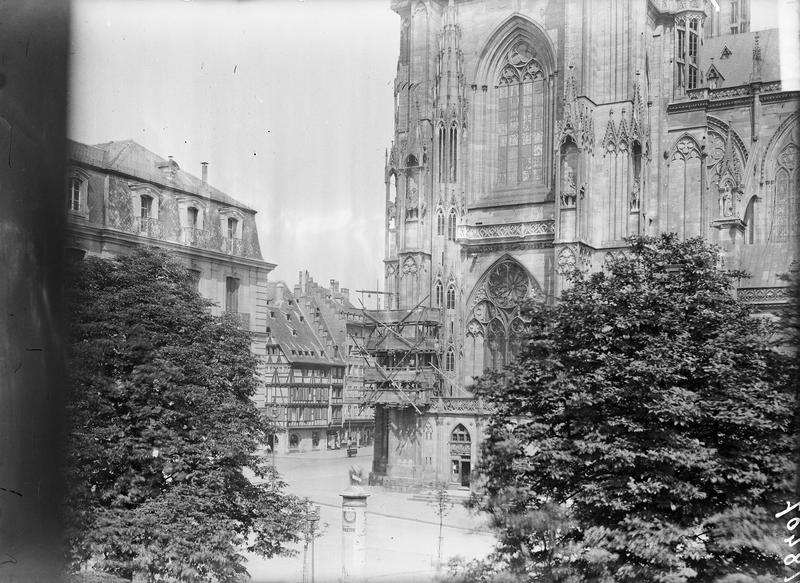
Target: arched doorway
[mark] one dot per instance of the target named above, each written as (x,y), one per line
(460,456)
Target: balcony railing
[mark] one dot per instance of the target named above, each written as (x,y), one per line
(307,423)
(234,246)
(195,237)
(147,226)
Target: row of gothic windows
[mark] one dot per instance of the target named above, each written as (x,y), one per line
(451,296)
(778,222)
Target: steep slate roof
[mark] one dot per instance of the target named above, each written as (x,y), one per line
(130,158)
(738,67)
(294,333)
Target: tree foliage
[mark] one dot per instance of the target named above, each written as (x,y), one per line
(162,426)
(644,433)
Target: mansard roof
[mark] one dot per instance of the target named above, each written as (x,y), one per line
(133,159)
(737,68)
(291,330)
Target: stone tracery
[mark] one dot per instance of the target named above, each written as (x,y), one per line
(494,326)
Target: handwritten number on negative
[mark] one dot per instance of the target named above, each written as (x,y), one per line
(789,508)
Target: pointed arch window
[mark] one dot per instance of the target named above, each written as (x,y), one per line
(450,360)
(453,148)
(440,222)
(495,331)
(520,115)
(451,225)
(786,217)
(451,297)
(439,294)
(460,434)
(441,157)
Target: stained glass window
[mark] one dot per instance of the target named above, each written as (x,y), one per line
(520,112)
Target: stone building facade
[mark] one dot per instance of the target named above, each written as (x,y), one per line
(532,137)
(119,195)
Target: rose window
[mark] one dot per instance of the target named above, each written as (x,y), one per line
(508,284)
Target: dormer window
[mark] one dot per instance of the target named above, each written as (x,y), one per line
(75,195)
(146,210)
(233,228)
(191,216)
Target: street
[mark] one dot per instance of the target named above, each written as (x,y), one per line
(402,532)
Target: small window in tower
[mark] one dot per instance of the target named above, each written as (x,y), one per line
(453,152)
(441,158)
(451,226)
(440,222)
(451,297)
(439,294)
(450,360)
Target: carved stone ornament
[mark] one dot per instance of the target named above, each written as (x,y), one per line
(566,261)
(409,266)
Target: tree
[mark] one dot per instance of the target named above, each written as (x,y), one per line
(442,503)
(644,432)
(162,426)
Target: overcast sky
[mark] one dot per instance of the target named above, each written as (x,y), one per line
(289,101)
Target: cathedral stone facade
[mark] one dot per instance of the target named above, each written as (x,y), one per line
(531,137)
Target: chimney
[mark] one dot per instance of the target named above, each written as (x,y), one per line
(205,172)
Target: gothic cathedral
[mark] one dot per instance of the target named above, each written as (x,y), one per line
(532,137)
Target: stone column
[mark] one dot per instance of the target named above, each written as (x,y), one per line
(354,534)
